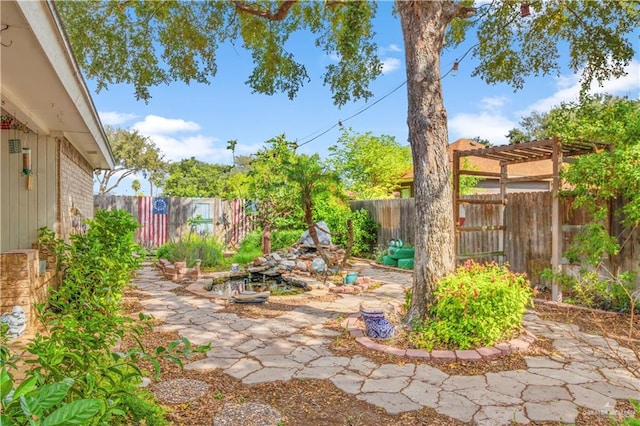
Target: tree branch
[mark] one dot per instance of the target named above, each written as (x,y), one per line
(254,9)
(464,12)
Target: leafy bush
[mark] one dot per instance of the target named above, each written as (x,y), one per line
(97,265)
(28,404)
(592,290)
(74,375)
(287,238)
(476,306)
(336,214)
(206,248)
(365,233)
(251,245)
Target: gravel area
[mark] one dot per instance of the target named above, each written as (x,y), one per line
(178,391)
(248,414)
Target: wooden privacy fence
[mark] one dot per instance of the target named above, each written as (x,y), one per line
(171,218)
(396,217)
(527,238)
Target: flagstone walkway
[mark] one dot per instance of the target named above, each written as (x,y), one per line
(295,345)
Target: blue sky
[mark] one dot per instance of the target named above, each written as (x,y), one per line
(197,120)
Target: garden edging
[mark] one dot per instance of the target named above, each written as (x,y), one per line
(487,353)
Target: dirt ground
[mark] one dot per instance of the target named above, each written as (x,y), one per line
(319,402)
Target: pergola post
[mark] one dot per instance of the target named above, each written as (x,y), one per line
(556,216)
(504,177)
(456,205)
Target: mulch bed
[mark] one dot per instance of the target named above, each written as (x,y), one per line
(319,402)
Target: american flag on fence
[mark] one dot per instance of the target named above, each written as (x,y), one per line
(153,215)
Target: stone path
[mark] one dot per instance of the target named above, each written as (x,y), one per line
(295,345)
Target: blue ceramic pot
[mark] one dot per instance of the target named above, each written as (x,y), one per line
(376,325)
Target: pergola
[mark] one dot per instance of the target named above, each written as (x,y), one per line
(547,149)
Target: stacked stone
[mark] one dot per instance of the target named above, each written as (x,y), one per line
(361,284)
(178,270)
(21,283)
(293,259)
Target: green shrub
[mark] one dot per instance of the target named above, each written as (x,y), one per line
(251,245)
(478,305)
(98,264)
(74,358)
(206,248)
(287,238)
(252,240)
(365,233)
(336,214)
(592,290)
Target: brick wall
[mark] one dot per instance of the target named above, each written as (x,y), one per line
(75,180)
(22,284)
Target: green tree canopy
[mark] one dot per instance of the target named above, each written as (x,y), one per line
(532,127)
(311,178)
(149,43)
(134,154)
(267,185)
(596,178)
(195,178)
(370,166)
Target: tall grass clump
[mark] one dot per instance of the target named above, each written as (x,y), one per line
(207,249)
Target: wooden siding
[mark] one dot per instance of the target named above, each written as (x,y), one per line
(23,211)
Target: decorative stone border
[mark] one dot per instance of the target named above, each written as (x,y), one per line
(519,344)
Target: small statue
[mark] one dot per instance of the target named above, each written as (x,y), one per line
(16,320)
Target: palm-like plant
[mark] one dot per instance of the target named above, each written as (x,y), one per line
(312,178)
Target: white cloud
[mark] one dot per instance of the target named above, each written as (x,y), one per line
(624,85)
(390,65)
(485,124)
(390,48)
(114,118)
(569,89)
(178,139)
(489,123)
(156,125)
(493,103)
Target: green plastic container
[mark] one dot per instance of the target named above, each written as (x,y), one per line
(396,242)
(389,261)
(401,252)
(405,263)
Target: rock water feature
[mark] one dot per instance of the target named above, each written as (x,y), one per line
(286,271)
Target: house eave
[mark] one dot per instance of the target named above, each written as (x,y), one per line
(45,89)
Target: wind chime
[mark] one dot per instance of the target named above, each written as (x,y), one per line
(26,167)
(15,146)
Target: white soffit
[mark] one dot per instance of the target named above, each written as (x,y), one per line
(42,84)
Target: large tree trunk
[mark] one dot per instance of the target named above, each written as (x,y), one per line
(424,24)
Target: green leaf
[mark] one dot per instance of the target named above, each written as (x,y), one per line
(25,387)
(74,413)
(52,394)
(6,383)
(5,420)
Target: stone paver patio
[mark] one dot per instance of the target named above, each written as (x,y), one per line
(295,345)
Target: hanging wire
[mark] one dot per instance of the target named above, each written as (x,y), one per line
(453,71)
